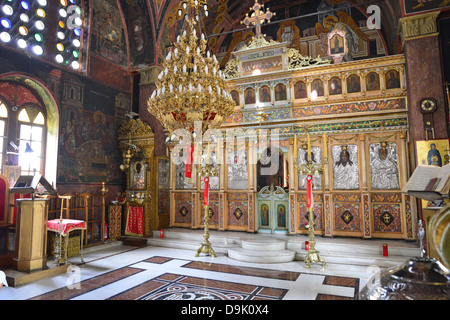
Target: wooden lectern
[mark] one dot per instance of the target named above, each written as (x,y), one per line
(31,224)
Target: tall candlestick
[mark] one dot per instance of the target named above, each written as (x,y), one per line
(295,147)
(325,149)
(196,146)
(208,155)
(309,146)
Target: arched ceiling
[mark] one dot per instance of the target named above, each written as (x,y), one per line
(149,27)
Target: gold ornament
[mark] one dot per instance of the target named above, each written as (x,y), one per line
(191,87)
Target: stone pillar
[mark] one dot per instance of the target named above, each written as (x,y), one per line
(148,77)
(424,74)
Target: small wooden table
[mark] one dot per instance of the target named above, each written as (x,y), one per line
(65,227)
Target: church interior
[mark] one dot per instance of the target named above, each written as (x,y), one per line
(224,150)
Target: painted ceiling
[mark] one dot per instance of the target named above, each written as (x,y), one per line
(138,33)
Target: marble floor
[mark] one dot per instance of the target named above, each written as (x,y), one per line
(121,272)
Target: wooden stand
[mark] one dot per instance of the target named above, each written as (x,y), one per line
(31,235)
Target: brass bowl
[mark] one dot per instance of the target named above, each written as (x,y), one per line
(417,279)
(440,233)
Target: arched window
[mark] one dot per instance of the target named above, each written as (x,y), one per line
(3,128)
(31,138)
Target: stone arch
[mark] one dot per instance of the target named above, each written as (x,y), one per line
(41,90)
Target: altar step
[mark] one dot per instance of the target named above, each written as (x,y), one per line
(263,248)
(262,251)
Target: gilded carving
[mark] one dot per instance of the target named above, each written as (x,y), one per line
(418,25)
(297,60)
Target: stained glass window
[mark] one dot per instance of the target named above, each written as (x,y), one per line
(23,23)
(69,33)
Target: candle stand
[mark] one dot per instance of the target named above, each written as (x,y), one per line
(310,169)
(209,170)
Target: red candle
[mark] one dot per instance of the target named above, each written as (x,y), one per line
(308,191)
(189,162)
(205,195)
(306,245)
(161,234)
(385,249)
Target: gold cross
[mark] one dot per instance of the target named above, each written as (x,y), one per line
(257,17)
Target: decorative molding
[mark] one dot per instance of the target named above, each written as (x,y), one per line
(149,75)
(297,60)
(418,26)
(134,129)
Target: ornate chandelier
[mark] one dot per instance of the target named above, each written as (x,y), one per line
(191,87)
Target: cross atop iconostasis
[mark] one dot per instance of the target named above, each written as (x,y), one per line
(257,18)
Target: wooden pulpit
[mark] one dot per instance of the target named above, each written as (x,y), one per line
(31,224)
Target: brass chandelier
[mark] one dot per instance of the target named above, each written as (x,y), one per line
(191,88)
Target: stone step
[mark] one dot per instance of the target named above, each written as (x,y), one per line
(259,248)
(360,260)
(263,245)
(196,236)
(193,245)
(395,249)
(260,256)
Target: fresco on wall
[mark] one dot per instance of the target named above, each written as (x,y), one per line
(89,116)
(415,6)
(108,38)
(140,33)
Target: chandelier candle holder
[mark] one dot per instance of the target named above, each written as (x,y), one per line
(309,169)
(191,88)
(210,169)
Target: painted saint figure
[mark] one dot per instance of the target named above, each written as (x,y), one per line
(392,82)
(264,95)
(434,156)
(345,170)
(300,91)
(249,96)
(264,215)
(384,170)
(353,85)
(281,216)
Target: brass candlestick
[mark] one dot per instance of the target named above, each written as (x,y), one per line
(310,168)
(209,170)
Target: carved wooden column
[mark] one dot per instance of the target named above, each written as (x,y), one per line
(420,43)
(223,172)
(252,189)
(365,172)
(327,197)
(293,225)
(408,202)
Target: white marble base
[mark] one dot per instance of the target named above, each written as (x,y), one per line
(268,248)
